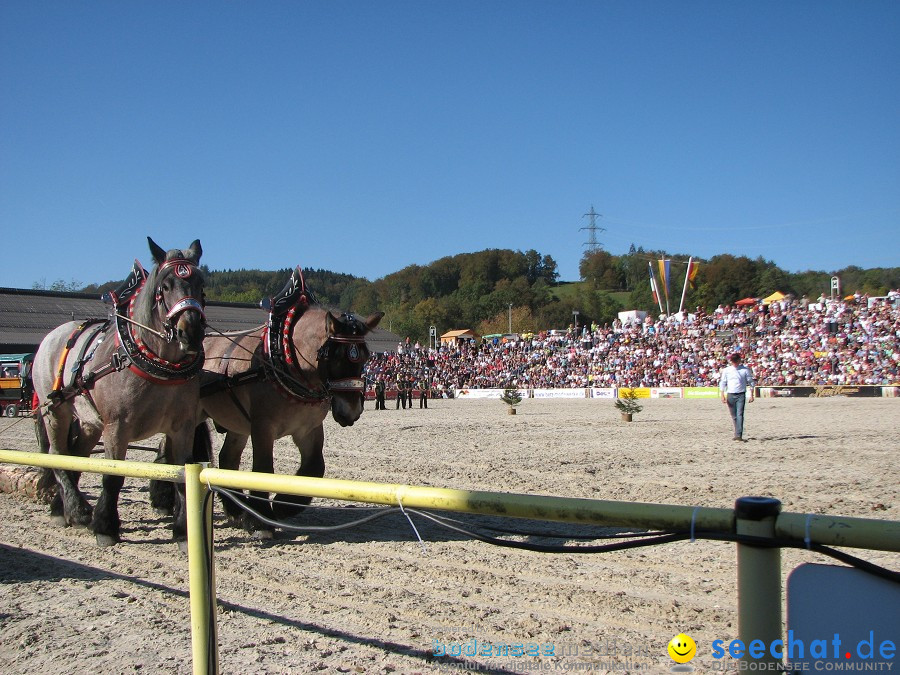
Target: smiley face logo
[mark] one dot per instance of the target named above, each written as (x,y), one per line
(682,648)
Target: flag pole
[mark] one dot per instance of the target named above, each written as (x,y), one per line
(666,283)
(653,287)
(684,290)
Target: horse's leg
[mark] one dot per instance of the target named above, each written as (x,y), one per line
(48,476)
(106,524)
(263,462)
(69,506)
(312,463)
(162,493)
(179,517)
(47,481)
(230,458)
(187,442)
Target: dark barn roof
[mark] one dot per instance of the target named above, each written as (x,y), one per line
(26,316)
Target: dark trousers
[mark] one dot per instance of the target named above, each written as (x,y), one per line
(379,402)
(736,403)
(401,398)
(423,400)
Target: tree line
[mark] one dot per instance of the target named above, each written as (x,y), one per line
(494,290)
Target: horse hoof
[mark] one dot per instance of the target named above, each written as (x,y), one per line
(262,535)
(233,522)
(182,545)
(105,540)
(161,511)
(81,521)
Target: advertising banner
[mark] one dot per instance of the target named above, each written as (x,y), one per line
(820,391)
(701,392)
(479,393)
(665,392)
(639,392)
(603,392)
(559,393)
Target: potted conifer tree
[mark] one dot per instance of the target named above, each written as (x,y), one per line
(512,398)
(626,402)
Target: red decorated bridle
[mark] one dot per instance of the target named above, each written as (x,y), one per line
(132,349)
(354,355)
(279,347)
(183,269)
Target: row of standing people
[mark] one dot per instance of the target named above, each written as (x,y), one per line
(405,387)
(736,384)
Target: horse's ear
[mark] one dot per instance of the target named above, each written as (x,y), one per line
(373,319)
(158,254)
(330,322)
(196,250)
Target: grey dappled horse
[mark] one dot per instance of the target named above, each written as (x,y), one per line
(124,378)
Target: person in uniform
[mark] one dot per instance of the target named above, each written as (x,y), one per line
(379,393)
(424,392)
(401,392)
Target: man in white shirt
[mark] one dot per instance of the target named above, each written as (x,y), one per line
(736,387)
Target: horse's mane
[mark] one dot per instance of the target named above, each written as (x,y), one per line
(146,299)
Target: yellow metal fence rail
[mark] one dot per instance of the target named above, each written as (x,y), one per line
(759,567)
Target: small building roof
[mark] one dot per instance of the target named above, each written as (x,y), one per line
(463,334)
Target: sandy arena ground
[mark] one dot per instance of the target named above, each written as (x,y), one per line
(372,600)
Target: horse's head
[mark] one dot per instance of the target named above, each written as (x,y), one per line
(340,362)
(177,299)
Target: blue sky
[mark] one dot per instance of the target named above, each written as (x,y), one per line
(363,137)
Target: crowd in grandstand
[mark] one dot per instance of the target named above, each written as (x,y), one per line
(792,341)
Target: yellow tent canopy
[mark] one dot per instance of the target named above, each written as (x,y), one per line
(775,297)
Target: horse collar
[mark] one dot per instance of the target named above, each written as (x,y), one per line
(281,356)
(144,362)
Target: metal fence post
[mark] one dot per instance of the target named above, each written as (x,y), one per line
(204,638)
(759,582)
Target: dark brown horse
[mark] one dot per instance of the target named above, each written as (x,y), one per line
(281,380)
(126,377)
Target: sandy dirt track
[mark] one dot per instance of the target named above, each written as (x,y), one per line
(372,600)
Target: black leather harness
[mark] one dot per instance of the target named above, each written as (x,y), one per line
(130,352)
(279,358)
